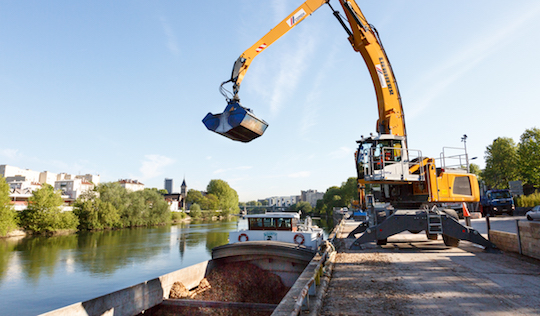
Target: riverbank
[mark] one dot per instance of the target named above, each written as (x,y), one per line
(63,232)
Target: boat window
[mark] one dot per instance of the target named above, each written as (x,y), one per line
(255,224)
(284,223)
(269,223)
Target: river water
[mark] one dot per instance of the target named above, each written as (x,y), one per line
(39,274)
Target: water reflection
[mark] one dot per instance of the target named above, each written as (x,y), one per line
(105,252)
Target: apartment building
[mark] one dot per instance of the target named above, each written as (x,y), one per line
(311,196)
(131,185)
(73,187)
(283,201)
(23,182)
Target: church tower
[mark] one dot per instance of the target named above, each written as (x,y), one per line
(183,193)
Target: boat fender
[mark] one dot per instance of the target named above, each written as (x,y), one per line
(241,237)
(299,239)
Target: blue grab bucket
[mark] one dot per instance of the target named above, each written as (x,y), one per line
(236,123)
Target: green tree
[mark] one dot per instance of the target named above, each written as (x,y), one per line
(475,169)
(157,209)
(332,198)
(210,202)
(349,191)
(501,163)
(321,207)
(529,156)
(195,211)
(194,196)
(118,196)
(228,198)
(44,214)
(8,220)
(303,206)
(94,213)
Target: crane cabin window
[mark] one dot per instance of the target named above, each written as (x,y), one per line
(462,186)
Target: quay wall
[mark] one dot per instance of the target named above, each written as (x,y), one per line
(528,241)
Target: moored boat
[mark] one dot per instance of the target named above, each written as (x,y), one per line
(280,226)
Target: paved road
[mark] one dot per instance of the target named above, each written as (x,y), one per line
(502,223)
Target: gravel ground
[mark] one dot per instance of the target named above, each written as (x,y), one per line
(413,276)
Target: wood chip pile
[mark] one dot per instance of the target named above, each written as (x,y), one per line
(232,282)
(243,282)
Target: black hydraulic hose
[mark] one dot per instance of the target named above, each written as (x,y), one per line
(340,19)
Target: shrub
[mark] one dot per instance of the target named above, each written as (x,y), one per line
(528,200)
(195,211)
(176,216)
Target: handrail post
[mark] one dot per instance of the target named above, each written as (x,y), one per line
(519,237)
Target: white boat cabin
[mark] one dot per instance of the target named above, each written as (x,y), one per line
(279,226)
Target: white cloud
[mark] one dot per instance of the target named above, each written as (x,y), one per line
(310,112)
(289,70)
(342,152)
(461,62)
(232,169)
(172,42)
(152,166)
(301,174)
(10,153)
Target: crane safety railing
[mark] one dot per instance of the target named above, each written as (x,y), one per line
(401,161)
(453,158)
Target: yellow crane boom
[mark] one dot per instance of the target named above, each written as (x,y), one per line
(407,178)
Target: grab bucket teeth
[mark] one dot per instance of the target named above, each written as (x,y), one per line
(236,123)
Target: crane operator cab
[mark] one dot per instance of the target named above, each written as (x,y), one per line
(386,157)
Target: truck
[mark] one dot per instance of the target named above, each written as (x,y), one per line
(412,183)
(497,202)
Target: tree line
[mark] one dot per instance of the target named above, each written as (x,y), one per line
(220,200)
(108,206)
(507,161)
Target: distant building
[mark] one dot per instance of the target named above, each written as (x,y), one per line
(131,185)
(177,201)
(311,196)
(11,171)
(73,187)
(48,177)
(93,178)
(169,185)
(23,182)
(183,193)
(283,201)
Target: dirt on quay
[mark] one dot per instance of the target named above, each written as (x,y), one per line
(414,276)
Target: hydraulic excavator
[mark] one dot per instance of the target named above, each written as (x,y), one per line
(410,182)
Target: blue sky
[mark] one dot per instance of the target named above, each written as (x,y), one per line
(120,88)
